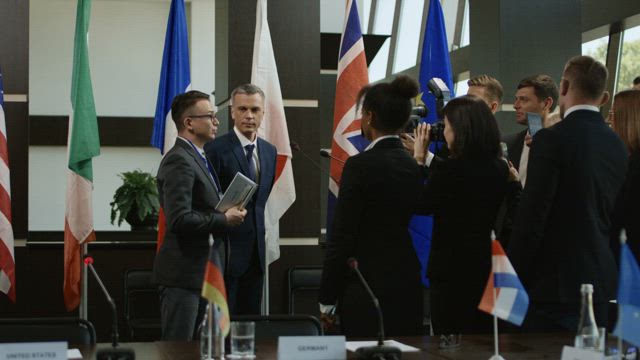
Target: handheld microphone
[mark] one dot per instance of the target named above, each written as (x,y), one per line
(380,351)
(109,354)
(327,153)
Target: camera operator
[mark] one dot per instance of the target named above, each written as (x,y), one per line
(463,193)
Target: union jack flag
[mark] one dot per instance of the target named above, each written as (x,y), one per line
(352,76)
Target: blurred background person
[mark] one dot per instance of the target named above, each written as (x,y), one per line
(488,89)
(463,192)
(636,83)
(375,203)
(626,214)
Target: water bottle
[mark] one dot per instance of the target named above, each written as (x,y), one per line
(588,337)
(205,335)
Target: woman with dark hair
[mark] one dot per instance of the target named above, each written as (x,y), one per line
(371,224)
(626,215)
(464,193)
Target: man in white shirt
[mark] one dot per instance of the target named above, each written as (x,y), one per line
(536,94)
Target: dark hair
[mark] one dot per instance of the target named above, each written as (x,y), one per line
(587,75)
(492,86)
(247,89)
(475,129)
(543,86)
(390,103)
(636,81)
(182,102)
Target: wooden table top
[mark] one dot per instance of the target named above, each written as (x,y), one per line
(512,346)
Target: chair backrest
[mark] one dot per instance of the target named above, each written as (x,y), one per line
(72,330)
(304,280)
(273,326)
(141,305)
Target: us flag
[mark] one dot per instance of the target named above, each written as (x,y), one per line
(7,259)
(352,76)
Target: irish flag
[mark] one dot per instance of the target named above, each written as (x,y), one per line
(83,145)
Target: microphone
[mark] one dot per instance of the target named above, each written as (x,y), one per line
(109,354)
(327,153)
(380,351)
(295,146)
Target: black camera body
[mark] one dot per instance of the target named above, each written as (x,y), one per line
(442,94)
(417,112)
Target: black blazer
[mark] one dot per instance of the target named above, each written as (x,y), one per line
(626,214)
(515,144)
(561,233)
(228,158)
(188,196)
(378,193)
(464,196)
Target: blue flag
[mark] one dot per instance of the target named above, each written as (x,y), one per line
(434,63)
(175,76)
(628,326)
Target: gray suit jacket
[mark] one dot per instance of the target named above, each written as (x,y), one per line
(188,195)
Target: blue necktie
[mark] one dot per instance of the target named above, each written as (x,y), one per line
(252,166)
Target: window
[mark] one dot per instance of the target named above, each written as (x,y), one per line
(597,49)
(408,35)
(630,59)
(378,66)
(465,39)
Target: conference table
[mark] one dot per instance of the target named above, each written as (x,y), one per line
(512,346)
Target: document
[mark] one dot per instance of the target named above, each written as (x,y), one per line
(354,345)
(238,193)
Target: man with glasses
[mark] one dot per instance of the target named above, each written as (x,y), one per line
(189,190)
(241,150)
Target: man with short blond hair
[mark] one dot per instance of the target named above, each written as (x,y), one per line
(488,89)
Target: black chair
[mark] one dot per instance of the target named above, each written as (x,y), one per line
(141,306)
(72,330)
(269,327)
(304,284)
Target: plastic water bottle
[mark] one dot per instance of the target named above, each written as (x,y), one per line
(588,337)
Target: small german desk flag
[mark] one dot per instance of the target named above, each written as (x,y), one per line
(213,287)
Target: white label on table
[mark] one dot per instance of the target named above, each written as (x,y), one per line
(311,348)
(39,351)
(571,353)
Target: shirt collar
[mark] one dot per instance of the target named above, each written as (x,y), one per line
(580,107)
(243,139)
(374,142)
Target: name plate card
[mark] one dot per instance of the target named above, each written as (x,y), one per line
(312,348)
(39,351)
(572,353)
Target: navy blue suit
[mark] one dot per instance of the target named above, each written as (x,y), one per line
(245,270)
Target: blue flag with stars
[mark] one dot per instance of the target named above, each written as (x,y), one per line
(434,63)
(628,326)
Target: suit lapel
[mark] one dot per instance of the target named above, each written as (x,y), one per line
(198,160)
(238,151)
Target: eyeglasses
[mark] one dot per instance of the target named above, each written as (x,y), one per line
(210,117)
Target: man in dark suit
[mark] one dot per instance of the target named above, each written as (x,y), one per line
(189,192)
(535,94)
(241,150)
(561,233)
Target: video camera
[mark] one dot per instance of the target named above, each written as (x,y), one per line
(439,89)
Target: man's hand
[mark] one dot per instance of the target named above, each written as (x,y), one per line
(328,322)
(235,216)
(407,142)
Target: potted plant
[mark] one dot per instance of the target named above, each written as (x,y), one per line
(136,201)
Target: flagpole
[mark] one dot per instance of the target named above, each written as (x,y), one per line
(496,352)
(210,326)
(83,286)
(265,290)
(623,240)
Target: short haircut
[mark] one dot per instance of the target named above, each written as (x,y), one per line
(182,102)
(543,86)
(636,81)
(390,103)
(246,89)
(626,121)
(587,75)
(492,86)
(475,129)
